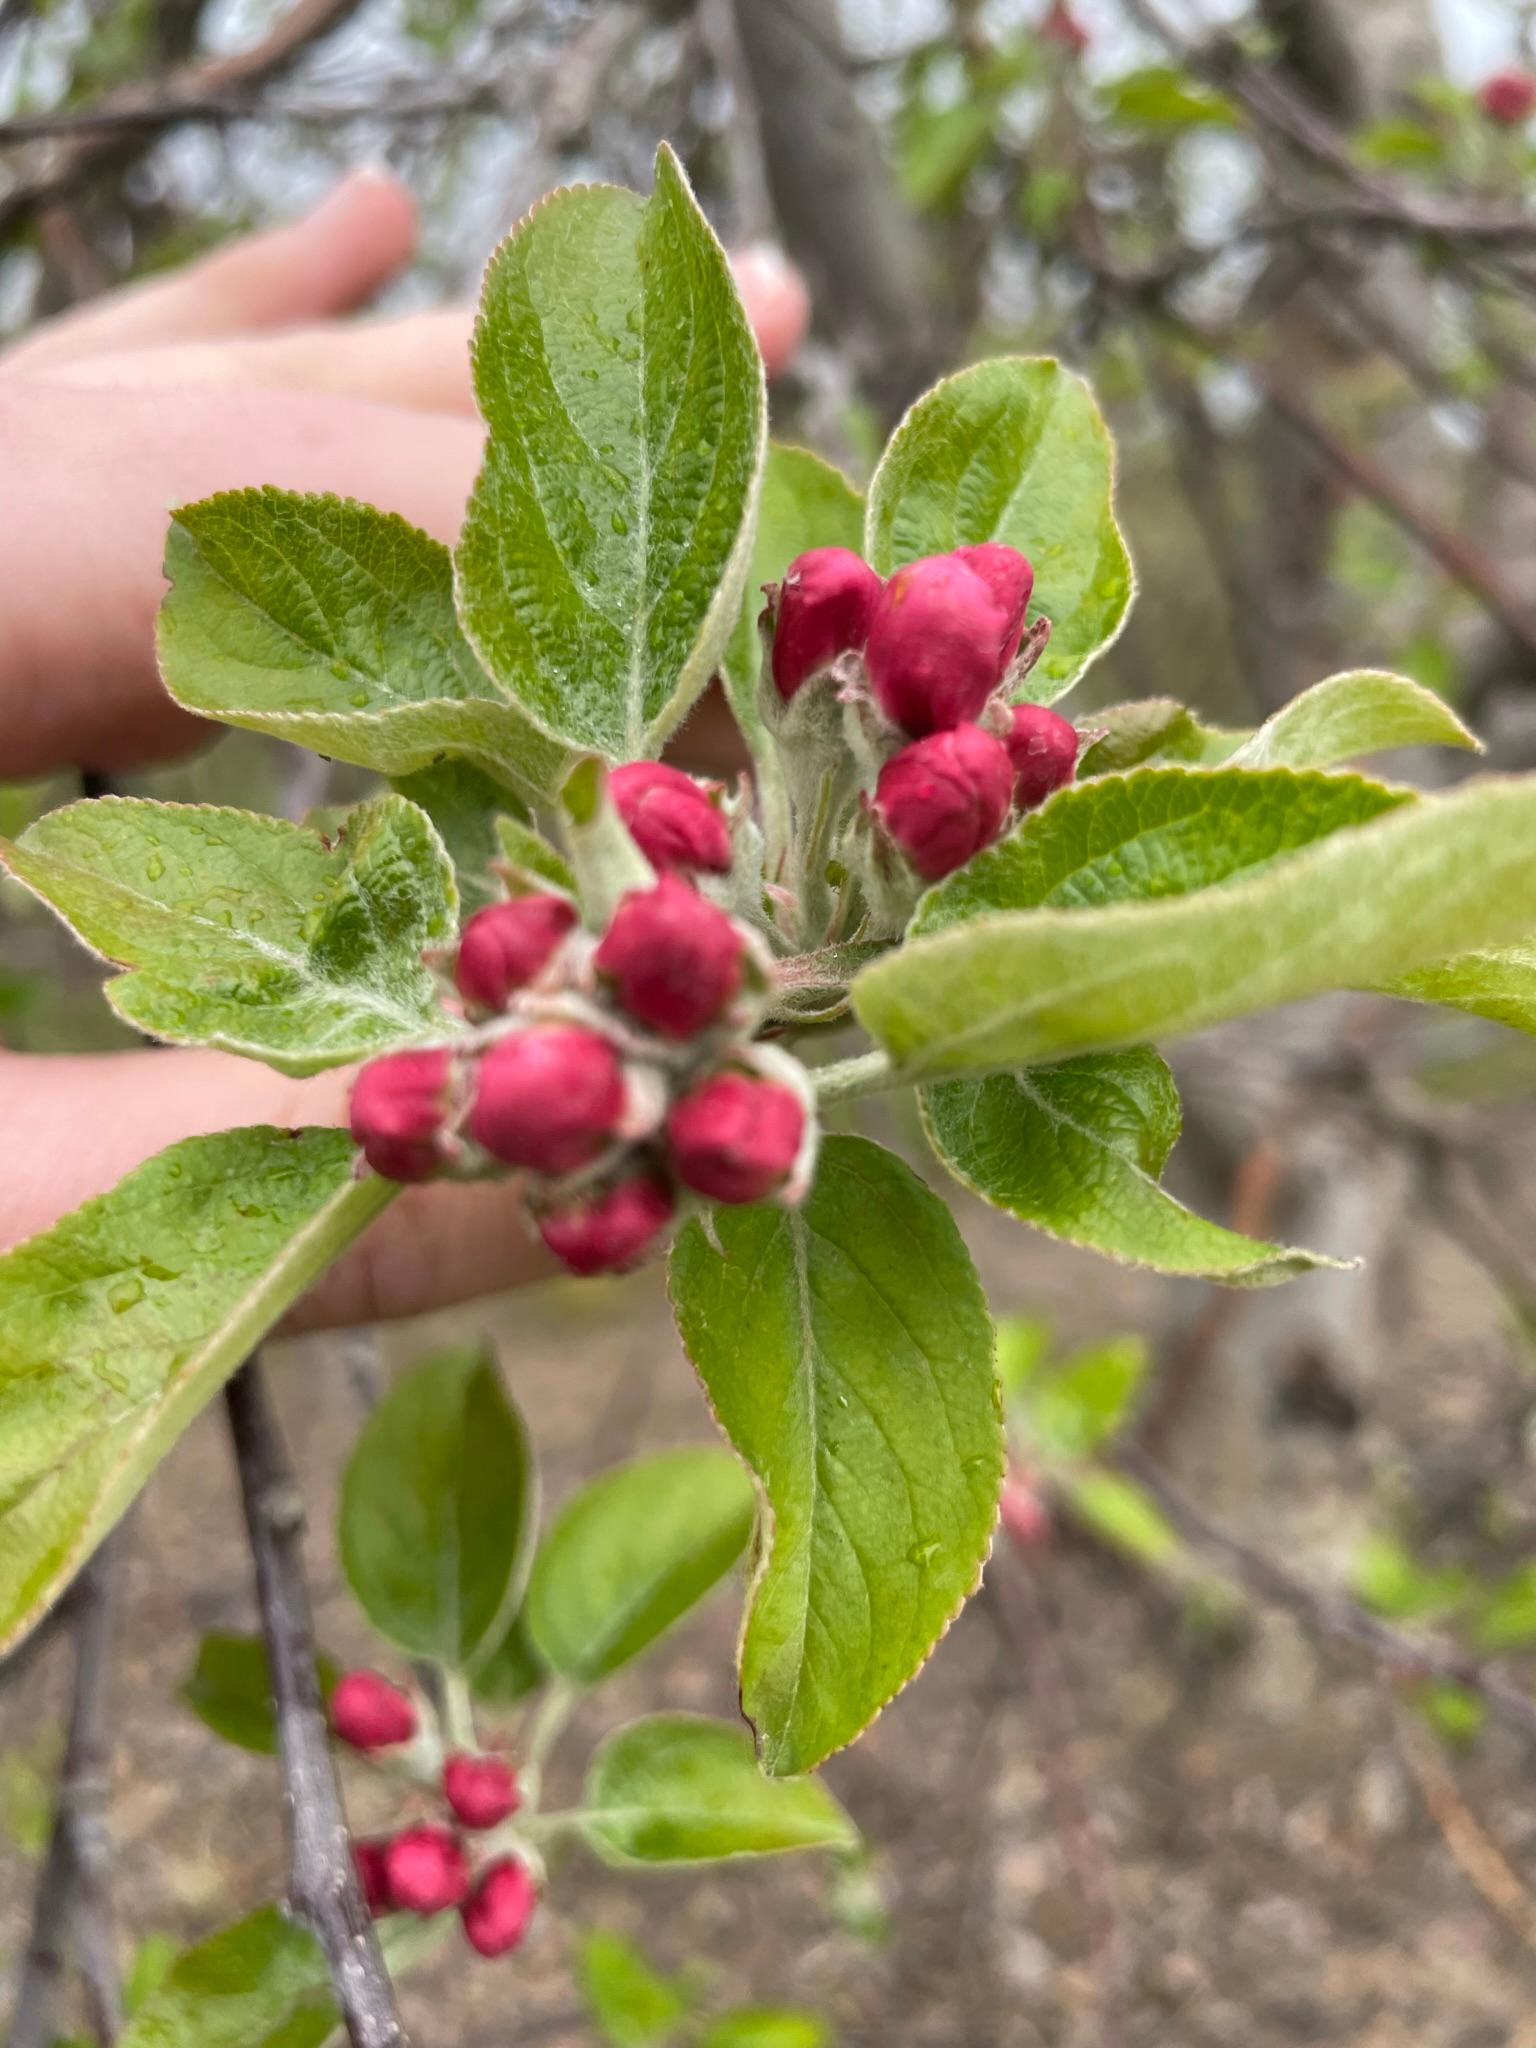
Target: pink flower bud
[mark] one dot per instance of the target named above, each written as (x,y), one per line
(1023,1513)
(1043,749)
(936,647)
(507,945)
(946,797)
(735,1139)
(612,1231)
(368,1712)
(482,1790)
(399,1114)
(1509,97)
(497,1912)
(1011,580)
(426,1870)
(673,958)
(825,605)
(1061,25)
(550,1099)
(372,1861)
(670,818)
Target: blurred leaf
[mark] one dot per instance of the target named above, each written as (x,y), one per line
(1456,1715)
(1160,96)
(230,1690)
(1121,1514)
(511,1671)
(1022,1345)
(1365,712)
(1070,1409)
(1391,1582)
(151,1963)
(262,1983)
(1400,143)
(535,864)
(631,2004)
(766,2027)
(1505,1617)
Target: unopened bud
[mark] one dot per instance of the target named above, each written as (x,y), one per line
(426,1870)
(1509,97)
(946,797)
(482,1790)
(497,1912)
(736,1138)
(1061,25)
(674,959)
(400,1110)
(1043,749)
(936,647)
(368,1712)
(1024,1515)
(613,1230)
(1011,580)
(507,945)
(824,608)
(551,1099)
(372,1861)
(670,818)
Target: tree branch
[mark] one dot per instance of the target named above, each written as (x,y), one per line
(324,1892)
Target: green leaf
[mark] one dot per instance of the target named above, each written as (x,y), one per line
(467,808)
(631,1553)
(1015,450)
(1077,1150)
(120,1322)
(1391,1581)
(632,2005)
(511,1671)
(1499,985)
(1505,1618)
(330,624)
(766,2027)
(848,1354)
(1154,728)
(1367,906)
(230,1689)
(679,1789)
(1070,1408)
(1160,96)
(533,863)
(259,1984)
(1364,712)
(437,1509)
(148,1967)
(1125,1516)
(251,934)
(601,566)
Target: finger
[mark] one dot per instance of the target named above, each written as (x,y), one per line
(334,258)
(432,1246)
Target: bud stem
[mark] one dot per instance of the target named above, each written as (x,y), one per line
(866,1074)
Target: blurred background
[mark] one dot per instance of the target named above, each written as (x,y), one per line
(1139,1796)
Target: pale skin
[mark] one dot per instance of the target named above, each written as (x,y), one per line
(236,370)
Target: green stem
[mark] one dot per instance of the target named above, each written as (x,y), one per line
(548,1725)
(866,1074)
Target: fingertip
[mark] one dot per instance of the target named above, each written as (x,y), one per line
(777,300)
(368,222)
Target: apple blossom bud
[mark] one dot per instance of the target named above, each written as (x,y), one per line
(426,1870)
(670,818)
(1011,580)
(1024,1515)
(735,1138)
(611,1231)
(944,798)
(824,607)
(399,1113)
(496,1914)
(1509,97)
(674,959)
(1043,749)
(368,1712)
(551,1099)
(507,945)
(372,1861)
(482,1790)
(935,649)
(1061,25)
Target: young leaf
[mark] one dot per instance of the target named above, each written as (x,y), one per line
(120,1322)
(631,1553)
(679,1789)
(467,808)
(601,566)
(631,2004)
(330,624)
(230,1689)
(259,1984)
(848,1354)
(511,1671)
(1015,450)
(1124,1515)
(437,1509)
(763,2026)
(251,934)
(1366,907)
(1070,1408)
(1498,985)
(1365,712)
(1077,1150)
(1151,729)
(531,862)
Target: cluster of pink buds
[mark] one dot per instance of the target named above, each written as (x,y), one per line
(429,1868)
(615,1072)
(1508,98)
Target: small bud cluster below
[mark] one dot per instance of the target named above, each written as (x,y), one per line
(430,1867)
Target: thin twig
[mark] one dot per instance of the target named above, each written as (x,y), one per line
(221,110)
(73,1889)
(1481,1860)
(323,1891)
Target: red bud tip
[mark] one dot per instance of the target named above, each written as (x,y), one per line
(426,1870)
(550,1099)
(946,797)
(735,1139)
(399,1113)
(673,958)
(368,1712)
(1011,580)
(372,1860)
(1061,25)
(612,1231)
(497,1912)
(507,945)
(481,1790)
(825,604)
(1023,1513)
(670,818)
(1509,97)
(937,646)
(1043,749)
